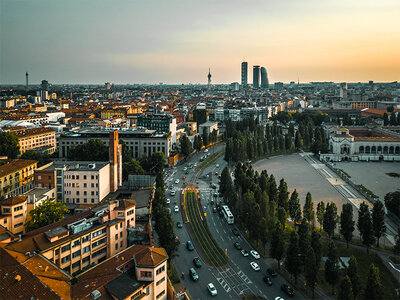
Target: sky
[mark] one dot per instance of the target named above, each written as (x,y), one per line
(176,41)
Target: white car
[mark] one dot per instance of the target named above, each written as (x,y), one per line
(177,181)
(205,151)
(195,165)
(211,288)
(176,209)
(279,298)
(172,193)
(255,266)
(184,169)
(244,253)
(168,201)
(255,254)
(217,165)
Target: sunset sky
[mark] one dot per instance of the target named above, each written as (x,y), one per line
(176,41)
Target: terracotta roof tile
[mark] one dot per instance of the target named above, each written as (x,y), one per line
(12,166)
(14,200)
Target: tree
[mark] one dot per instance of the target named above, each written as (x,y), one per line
(186,146)
(304,240)
(282,215)
(283,195)
(9,145)
(392,202)
(346,222)
(345,290)
(278,243)
(132,167)
(332,266)
(297,140)
(311,269)
(48,212)
(42,158)
(393,119)
(200,116)
(373,287)
(320,213)
(365,226)
(378,221)
(352,272)
(308,209)
(93,150)
(294,207)
(206,139)
(293,262)
(330,218)
(385,119)
(317,247)
(396,247)
(126,152)
(157,160)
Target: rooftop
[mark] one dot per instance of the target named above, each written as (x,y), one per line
(14,200)
(78,165)
(11,166)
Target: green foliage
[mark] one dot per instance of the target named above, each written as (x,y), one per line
(282,116)
(126,152)
(311,269)
(304,240)
(308,209)
(278,243)
(293,262)
(206,139)
(330,218)
(42,158)
(315,243)
(345,290)
(48,212)
(365,226)
(346,222)
(132,167)
(283,195)
(373,288)
(200,116)
(153,164)
(352,273)
(332,266)
(186,146)
(321,213)
(9,145)
(93,150)
(392,202)
(172,274)
(197,143)
(378,221)
(396,247)
(294,207)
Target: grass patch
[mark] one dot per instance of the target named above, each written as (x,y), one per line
(172,274)
(369,192)
(364,260)
(210,160)
(343,172)
(214,254)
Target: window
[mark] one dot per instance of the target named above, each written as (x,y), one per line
(116,246)
(92,200)
(18,216)
(120,234)
(84,177)
(5,221)
(116,236)
(65,248)
(76,264)
(98,232)
(160,294)
(135,295)
(97,253)
(84,185)
(84,193)
(18,208)
(86,238)
(76,254)
(86,259)
(18,225)
(160,270)
(121,244)
(99,242)
(65,259)
(116,227)
(92,193)
(76,243)
(145,274)
(130,212)
(92,177)
(85,249)
(57,251)
(160,281)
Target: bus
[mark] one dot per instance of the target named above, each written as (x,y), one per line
(227,214)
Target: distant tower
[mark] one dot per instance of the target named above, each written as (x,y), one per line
(264,78)
(44,90)
(256,77)
(27,80)
(244,74)
(209,79)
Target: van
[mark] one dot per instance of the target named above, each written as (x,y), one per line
(193,274)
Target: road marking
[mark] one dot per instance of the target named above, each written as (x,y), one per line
(217,230)
(351,194)
(224,231)
(326,172)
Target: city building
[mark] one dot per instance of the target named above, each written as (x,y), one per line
(362,143)
(39,139)
(244,74)
(208,127)
(16,176)
(139,141)
(256,77)
(264,78)
(163,123)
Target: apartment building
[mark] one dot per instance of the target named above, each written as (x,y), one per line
(39,139)
(16,176)
(163,123)
(83,239)
(139,141)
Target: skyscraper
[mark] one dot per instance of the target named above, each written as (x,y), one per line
(256,77)
(44,90)
(209,79)
(244,74)
(264,78)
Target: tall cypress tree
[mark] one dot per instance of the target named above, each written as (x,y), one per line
(345,290)
(346,222)
(294,207)
(320,213)
(308,209)
(373,287)
(283,195)
(317,247)
(378,221)
(311,269)
(293,262)
(365,226)
(332,267)
(278,243)
(352,272)
(330,218)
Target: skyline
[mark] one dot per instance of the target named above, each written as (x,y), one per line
(92,42)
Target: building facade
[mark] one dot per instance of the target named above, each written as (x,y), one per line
(264,78)
(160,122)
(256,77)
(38,139)
(244,74)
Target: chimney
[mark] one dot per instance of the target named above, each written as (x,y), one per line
(113,156)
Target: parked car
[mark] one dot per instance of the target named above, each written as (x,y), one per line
(244,253)
(255,254)
(255,266)
(287,289)
(176,181)
(168,201)
(172,193)
(272,272)
(237,245)
(235,232)
(189,246)
(214,209)
(267,280)
(211,288)
(193,274)
(197,262)
(179,224)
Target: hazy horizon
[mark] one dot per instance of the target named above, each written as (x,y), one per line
(176,41)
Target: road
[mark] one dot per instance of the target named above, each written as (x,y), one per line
(235,279)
